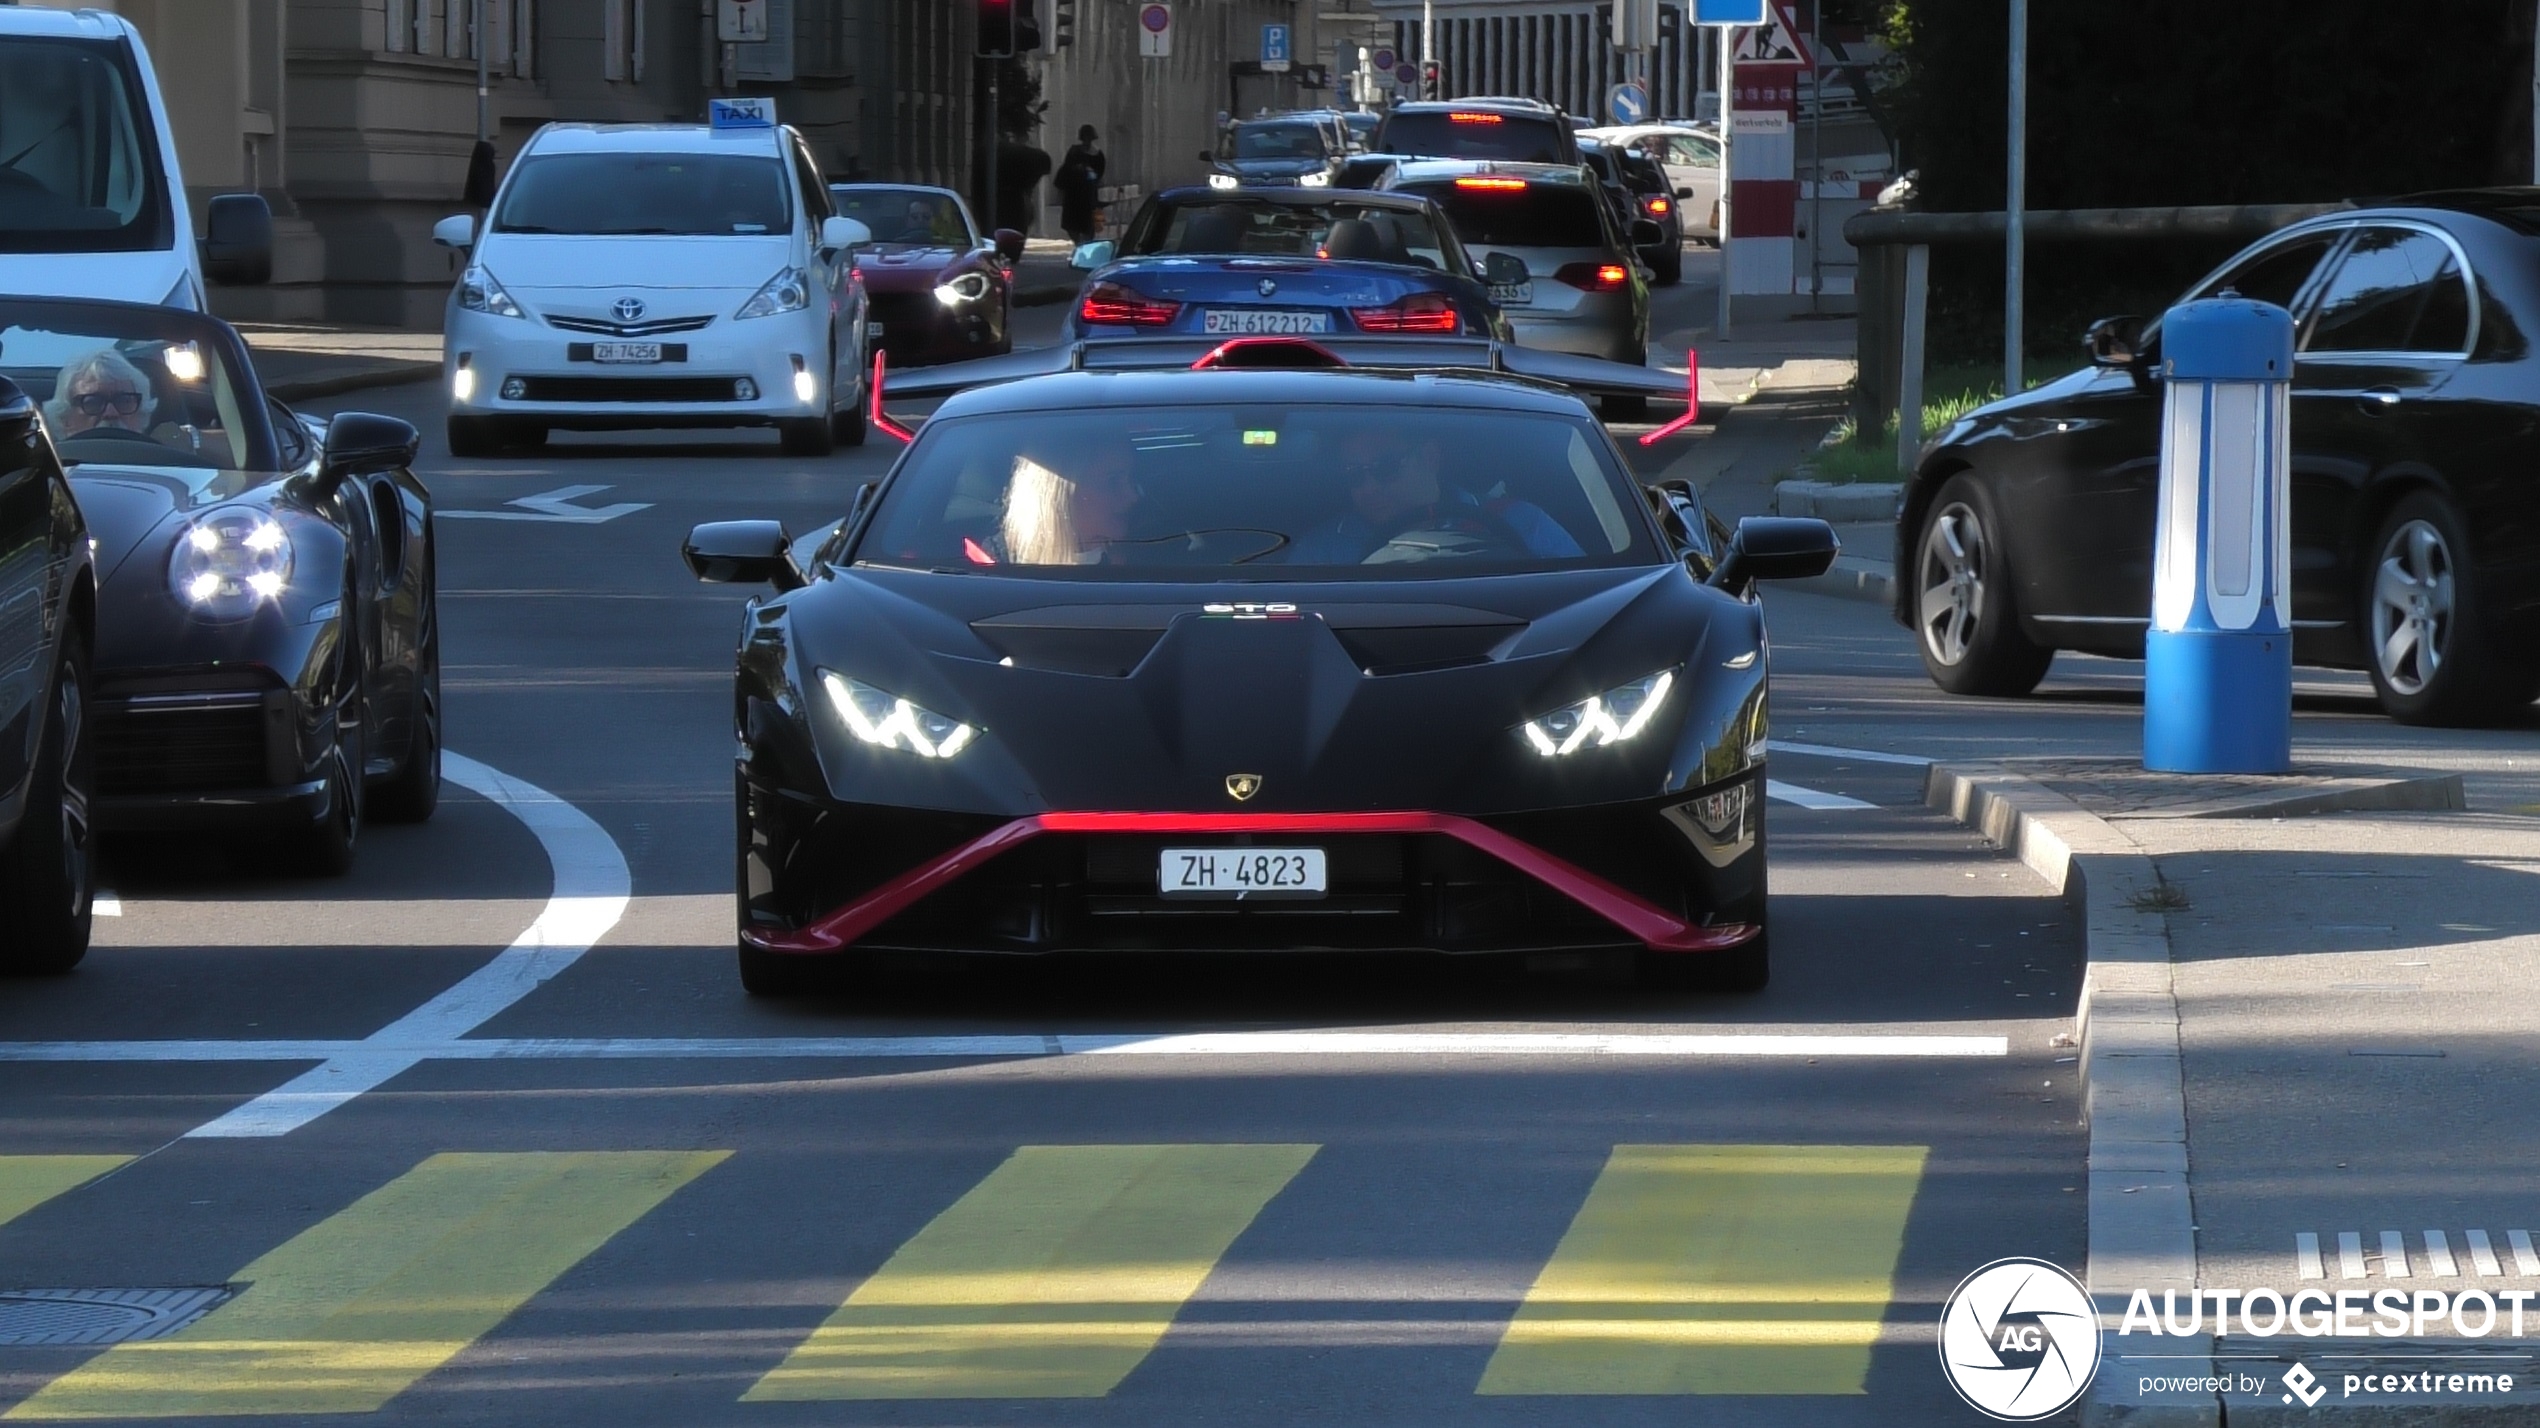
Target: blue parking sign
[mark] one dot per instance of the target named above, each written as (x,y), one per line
(1274,44)
(1728,12)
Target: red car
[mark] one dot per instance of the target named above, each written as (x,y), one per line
(937,291)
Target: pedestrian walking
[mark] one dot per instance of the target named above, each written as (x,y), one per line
(1079,185)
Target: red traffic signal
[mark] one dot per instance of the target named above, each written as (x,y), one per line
(996,29)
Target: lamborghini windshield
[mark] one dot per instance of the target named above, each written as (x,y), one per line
(1349,491)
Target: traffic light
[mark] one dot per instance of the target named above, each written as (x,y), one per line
(1027,26)
(996,28)
(1431,72)
(1063,24)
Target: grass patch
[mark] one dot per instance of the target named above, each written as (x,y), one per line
(1950,391)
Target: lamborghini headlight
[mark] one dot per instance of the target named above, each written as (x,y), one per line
(890,722)
(1618,714)
(969,287)
(230,562)
(788,291)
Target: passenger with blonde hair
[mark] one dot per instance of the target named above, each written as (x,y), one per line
(1051,519)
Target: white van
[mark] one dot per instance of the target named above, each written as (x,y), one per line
(92,203)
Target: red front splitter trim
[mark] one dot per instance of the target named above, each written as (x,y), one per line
(1656,929)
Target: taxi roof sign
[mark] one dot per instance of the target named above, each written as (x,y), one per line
(747,115)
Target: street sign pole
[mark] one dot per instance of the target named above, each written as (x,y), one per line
(2015,205)
(1728,48)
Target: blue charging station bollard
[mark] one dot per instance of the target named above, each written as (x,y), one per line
(2218,659)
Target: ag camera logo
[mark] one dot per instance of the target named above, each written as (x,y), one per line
(2019,1340)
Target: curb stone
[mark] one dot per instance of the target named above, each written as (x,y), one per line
(2142,1224)
(1838,501)
(304,389)
(1854,577)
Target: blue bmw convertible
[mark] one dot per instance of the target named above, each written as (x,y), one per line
(1285,261)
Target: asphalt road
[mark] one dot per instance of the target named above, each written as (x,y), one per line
(465,1171)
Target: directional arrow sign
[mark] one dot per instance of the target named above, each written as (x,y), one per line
(554,506)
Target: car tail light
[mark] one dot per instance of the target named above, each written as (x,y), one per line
(1419,312)
(1472,117)
(1657,206)
(1594,277)
(1494,185)
(1111,302)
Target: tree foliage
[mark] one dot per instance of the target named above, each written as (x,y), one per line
(2154,103)
(2160,102)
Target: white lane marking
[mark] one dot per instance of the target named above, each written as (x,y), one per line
(554,506)
(2394,1255)
(2525,1260)
(2350,1255)
(1026,1046)
(1828,751)
(589,896)
(1809,797)
(104,903)
(2482,1254)
(2306,1254)
(2438,1255)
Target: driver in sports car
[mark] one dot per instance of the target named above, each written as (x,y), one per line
(1395,486)
(102,389)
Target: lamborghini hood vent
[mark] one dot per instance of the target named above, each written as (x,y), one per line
(1105,640)
(1411,639)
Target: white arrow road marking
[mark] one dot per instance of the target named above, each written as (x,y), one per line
(591,887)
(555,506)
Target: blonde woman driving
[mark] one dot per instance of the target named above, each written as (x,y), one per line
(1054,519)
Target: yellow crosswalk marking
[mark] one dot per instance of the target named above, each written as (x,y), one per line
(354,1309)
(27,1181)
(1760,1269)
(1052,1278)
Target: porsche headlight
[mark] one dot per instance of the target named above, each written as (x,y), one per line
(230,562)
(890,722)
(969,287)
(788,291)
(1618,714)
(478,292)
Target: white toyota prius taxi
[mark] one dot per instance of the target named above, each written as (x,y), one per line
(657,275)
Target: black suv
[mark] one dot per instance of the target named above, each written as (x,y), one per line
(1525,131)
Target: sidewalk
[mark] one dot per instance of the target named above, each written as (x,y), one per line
(299,362)
(2308,1055)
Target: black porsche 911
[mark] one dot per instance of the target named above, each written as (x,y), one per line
(267,655)
(1255,658)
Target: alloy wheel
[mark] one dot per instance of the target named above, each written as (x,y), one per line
(2414,589)
(1956,559)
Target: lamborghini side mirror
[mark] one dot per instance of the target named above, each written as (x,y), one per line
(741,553)
(1775,548)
